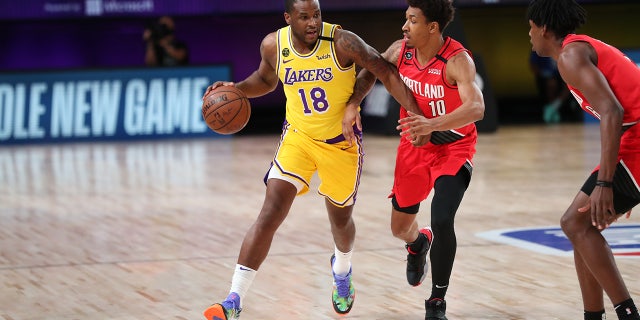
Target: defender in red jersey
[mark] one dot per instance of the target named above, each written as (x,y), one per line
(605,83)
(437,147)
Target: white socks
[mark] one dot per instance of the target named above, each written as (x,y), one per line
(243,276)
(342,264)
(241,281)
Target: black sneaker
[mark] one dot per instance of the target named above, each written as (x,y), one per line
(417,265)
(435,309)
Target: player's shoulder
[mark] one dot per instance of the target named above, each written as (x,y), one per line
(576,47)
(345,35)
(270,41)
(461,56)
(271,38)
(575,53)
(396,47)
(456,52)
(394,51)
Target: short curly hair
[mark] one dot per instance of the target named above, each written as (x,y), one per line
(288,5)
(440,11)
(561,17)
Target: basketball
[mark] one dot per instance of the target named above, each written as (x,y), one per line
(226,110)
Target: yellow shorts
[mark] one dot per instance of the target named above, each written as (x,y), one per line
(339,166)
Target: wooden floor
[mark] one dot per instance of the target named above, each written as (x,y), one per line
(151,230)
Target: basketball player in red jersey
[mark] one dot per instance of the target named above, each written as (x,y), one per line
(605,83)
(437,149)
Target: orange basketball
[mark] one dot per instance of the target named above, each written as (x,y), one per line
(226,110)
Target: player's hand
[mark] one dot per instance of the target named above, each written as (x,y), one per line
(600,205)
(215,85)
(351,116)
(420,141)
(414,125)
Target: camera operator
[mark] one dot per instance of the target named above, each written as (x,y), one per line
(163,49)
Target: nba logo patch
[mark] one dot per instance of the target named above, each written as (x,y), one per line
(624,239)
(408,55)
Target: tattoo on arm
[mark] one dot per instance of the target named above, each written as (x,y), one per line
(363,85)
(361,53)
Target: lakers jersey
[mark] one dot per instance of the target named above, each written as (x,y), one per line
(317,88)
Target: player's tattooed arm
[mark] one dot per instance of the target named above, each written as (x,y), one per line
(357,51)
(366,79)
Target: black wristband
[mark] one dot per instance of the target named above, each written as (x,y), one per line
(604,184)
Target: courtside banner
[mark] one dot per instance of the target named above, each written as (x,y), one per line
(105,105)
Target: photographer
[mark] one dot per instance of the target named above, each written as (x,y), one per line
(163,49)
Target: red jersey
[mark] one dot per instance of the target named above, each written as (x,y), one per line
(622,74)
(448,151)
(434,94)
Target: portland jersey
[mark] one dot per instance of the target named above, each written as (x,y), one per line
(435,96)
(623,77)
(317,88)
(621,73)
(448,152)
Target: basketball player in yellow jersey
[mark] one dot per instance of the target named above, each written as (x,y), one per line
(317,88)
(316,64)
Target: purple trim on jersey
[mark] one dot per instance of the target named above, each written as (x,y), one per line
(285,129)
(285,173)
(341,137)
(354,195)
(360,165)
(266,175)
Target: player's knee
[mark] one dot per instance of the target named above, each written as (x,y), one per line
(442,222)
(400,230)
(340,217)
(342,222)
(263,229)
(271,216)
(266,225)
(571,224)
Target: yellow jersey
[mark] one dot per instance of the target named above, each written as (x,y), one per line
(317,88)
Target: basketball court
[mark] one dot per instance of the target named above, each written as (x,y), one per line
(152,229)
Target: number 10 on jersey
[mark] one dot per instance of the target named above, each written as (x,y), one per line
(437,107)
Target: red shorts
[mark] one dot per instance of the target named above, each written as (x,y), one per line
(418,168)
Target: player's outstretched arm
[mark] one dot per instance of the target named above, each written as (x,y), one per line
(360,53)
(366,79)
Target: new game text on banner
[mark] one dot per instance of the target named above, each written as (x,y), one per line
(114,105)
